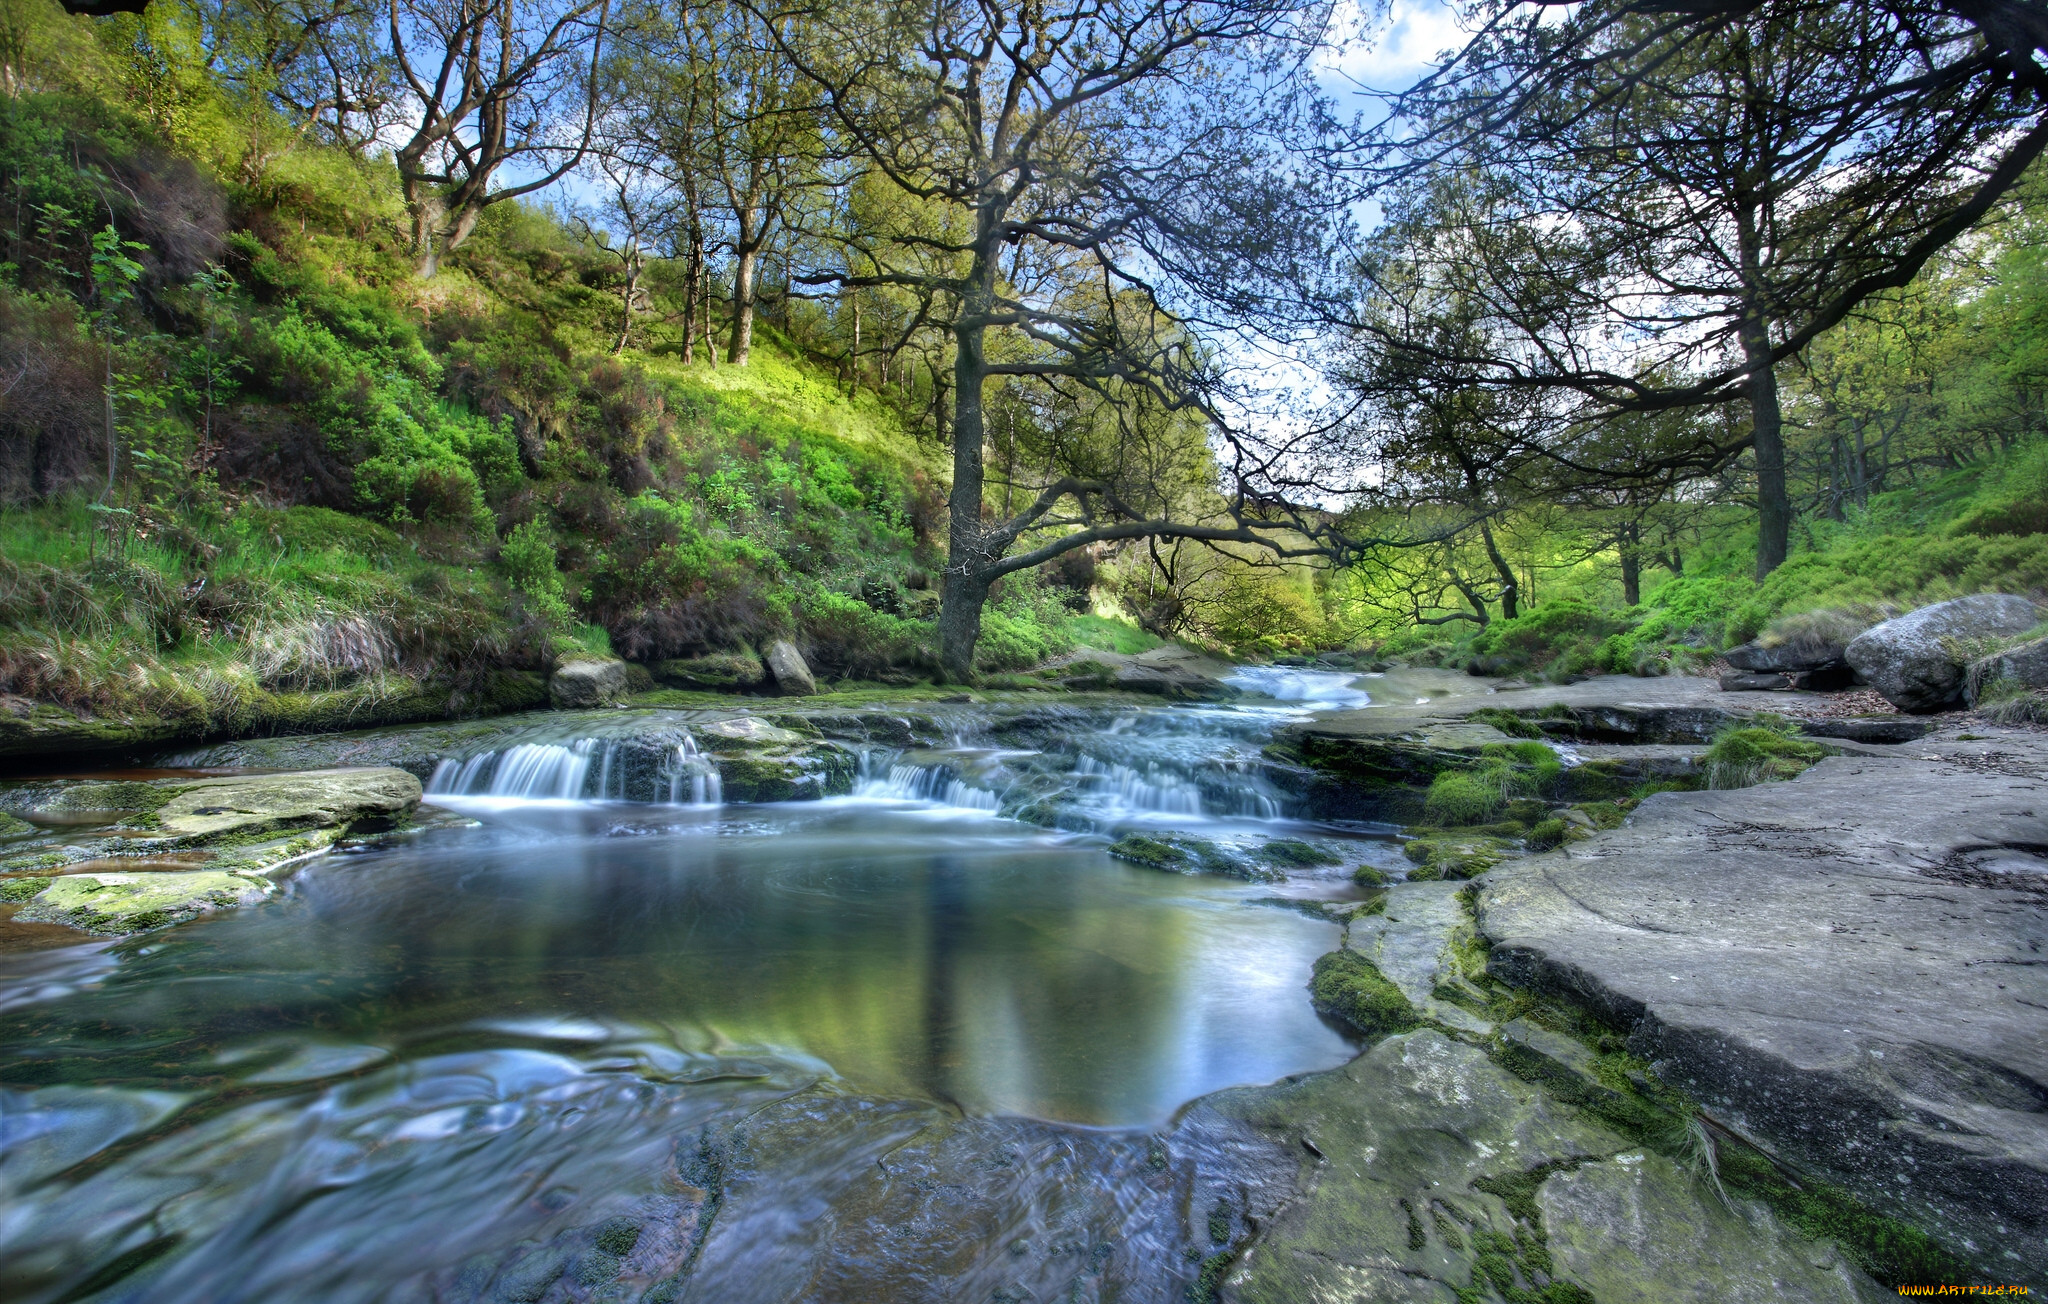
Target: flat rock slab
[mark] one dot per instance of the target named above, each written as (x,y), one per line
(1410,944)
(1405,1155)
(265,803)
(1852,966)
(114,904)
(1636,1229)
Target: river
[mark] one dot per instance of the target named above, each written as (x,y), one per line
(891,1045)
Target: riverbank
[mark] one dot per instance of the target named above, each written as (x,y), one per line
(1539,1108)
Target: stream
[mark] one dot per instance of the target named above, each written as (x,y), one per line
(596,1034)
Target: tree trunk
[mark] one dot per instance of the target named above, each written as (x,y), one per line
(743,307)
(1631,564)
(690,302)
(968,556)
(1510,591)
(1767,435)
(429,215)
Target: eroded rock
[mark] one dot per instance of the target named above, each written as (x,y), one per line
(719,672)
(1845,965)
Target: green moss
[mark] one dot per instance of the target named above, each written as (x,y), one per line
(1454,856)
(1508,722)
(1208,1282)
(1457,797)
(1295,854)
(21,889)
(1350,987)
(1548,834)
(1369,876)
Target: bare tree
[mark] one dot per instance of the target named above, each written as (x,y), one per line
(640,205)
(493,83)
(1072,186)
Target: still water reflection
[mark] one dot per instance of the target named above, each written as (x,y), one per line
(415,1053)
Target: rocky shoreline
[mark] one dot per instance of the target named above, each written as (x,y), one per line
(1756,1043)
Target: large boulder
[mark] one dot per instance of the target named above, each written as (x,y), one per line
(1917,660)
(792,676)
(577,685)
(2025,666)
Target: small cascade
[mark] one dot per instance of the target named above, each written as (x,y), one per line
(1156,790)
(937,784)
(534,771)
(1320,689)
(693,773)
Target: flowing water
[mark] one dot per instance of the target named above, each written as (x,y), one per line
(610,1038)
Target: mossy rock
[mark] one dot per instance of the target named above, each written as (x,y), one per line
(249,806)
(1369,876)
(747,731)
(1455,856)
(1549,834)
(21,889)
(112,905)
(719,672)
(11,827)
(1175,854)
(1292,853)
(1350,987)
(93,796)
(806,774)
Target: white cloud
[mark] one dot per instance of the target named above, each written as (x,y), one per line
(1386,50)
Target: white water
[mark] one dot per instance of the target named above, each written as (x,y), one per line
(529,770)
(1310,690)
(1118,790)
(586,769)
(933,784)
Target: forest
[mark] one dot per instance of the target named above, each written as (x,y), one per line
(996,651)
(391,351)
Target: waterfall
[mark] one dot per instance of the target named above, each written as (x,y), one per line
(535,771)
(1155,790)
(692,769)
(936,784)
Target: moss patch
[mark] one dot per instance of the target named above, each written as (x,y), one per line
(1350,987)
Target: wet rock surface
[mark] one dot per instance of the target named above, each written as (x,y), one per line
(1848,964)
(163,851)
(1429,1173)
